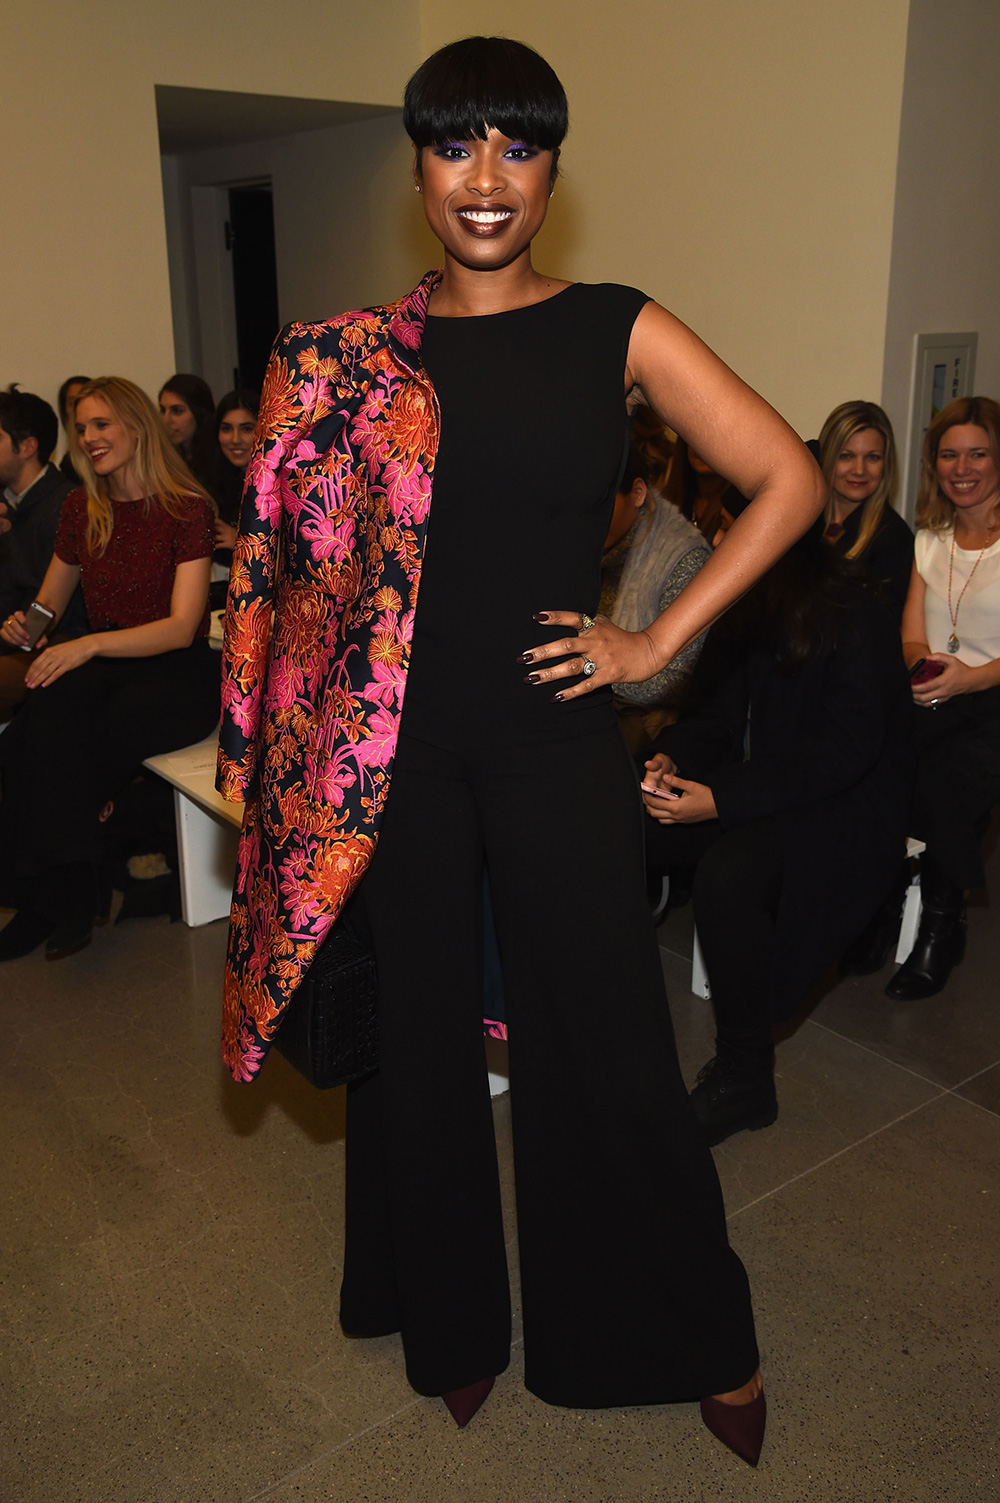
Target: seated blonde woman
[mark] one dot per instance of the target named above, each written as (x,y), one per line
(857,454)
(137,538)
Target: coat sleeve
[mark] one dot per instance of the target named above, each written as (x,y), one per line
(861,694)
(286,413)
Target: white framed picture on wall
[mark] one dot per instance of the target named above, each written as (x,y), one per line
(944,368)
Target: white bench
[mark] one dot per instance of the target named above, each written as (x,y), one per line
(208,829)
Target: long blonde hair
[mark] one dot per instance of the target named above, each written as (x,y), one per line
(934,510)
(161,472)
(842,424)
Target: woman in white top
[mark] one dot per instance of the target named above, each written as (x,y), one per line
(952,622)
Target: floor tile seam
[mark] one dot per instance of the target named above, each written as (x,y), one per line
(907,1070)
(306,1466)
(991,1111)
(848,1148)
(970,1078)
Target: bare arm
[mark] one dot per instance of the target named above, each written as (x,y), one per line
(741,437)
(914,627)
(188,600)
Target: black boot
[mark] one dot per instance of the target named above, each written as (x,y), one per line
(735,1091)
(873,946)
(940,945)
(24,933)
(75,900)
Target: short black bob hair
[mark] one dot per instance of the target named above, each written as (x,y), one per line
(469,86)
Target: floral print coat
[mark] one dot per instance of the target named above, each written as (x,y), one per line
(318,628)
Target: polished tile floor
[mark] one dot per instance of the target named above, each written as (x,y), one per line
(171,1244)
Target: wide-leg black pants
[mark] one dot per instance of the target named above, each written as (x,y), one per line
(631,1293)
(76,743)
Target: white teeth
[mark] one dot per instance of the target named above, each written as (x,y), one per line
(486,216)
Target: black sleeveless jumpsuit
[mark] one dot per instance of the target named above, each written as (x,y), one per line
(631,1293)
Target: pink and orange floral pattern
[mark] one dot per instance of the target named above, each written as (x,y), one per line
(318,629)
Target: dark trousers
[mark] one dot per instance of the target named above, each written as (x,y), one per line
(958,782)
(74,744)
(631,1293)
(737,889)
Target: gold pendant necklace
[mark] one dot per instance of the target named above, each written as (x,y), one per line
(953,642)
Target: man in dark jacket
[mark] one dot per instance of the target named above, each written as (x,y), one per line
(33,492)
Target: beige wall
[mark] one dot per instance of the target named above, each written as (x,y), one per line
(711,162)
(945,269)
(735,158)
(83,255)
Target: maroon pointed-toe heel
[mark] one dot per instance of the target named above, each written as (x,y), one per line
(463,1402)
(738,1426)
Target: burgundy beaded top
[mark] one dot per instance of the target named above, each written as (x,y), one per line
(131,583)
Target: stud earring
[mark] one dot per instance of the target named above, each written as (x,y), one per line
(416,187)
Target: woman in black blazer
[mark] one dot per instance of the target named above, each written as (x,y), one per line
(787,785)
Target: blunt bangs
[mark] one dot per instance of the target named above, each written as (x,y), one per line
(466,88)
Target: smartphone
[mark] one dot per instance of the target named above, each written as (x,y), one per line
(662,792)
(37,619)
(924,670)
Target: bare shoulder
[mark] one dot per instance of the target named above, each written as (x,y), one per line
(660,340)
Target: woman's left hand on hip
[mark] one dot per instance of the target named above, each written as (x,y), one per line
(594,653)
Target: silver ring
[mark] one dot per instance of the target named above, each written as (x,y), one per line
(589,667)
(935,703)
(588,622)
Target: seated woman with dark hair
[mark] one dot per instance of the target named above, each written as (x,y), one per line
(787,786)
(651,552)
(68,393)
(187,408)
(235,421)
(137,537)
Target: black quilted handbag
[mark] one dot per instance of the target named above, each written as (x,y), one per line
(330,1028)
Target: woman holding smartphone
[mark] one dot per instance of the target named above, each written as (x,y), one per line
(494,397)
(137,537)
(951,642)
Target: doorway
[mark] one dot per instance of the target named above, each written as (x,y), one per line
(250,239)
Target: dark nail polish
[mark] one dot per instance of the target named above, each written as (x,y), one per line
(526,657)
(533,678)
(540,616)
(557,699)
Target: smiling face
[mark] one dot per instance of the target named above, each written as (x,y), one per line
(236,436)
(485,200)
(859,467)
(178,419)
(966,467)
(104,438)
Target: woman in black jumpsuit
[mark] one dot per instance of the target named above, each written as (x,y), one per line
(509,756)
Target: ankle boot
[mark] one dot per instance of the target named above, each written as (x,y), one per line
(75,901)
(735,1092)
(940,945)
